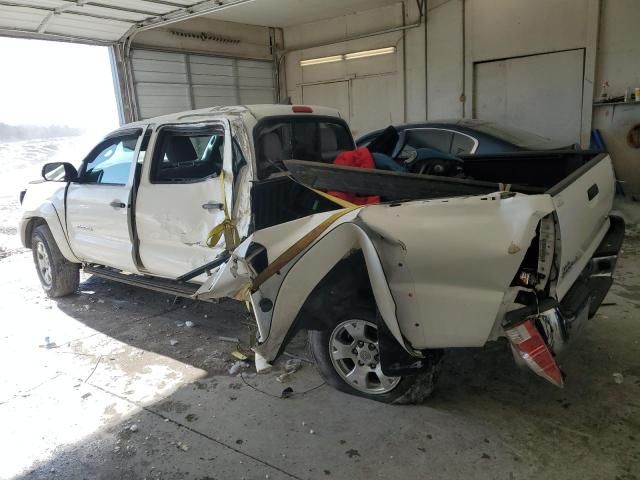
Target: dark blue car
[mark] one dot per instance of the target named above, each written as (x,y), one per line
(463,137)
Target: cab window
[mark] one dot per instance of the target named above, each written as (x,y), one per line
(110,162)
(188,155)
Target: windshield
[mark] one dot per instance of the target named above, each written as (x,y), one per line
(516,136)
(317,139)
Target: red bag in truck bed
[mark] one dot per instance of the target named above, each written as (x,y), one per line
(360,158)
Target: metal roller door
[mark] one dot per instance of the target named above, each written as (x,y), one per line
(166,82)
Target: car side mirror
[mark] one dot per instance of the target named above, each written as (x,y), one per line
(59,172)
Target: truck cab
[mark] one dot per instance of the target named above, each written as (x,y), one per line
(145,199)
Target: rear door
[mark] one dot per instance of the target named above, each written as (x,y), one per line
(583,201)
(98,203)
(181,197)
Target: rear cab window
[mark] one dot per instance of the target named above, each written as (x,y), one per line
(311,138)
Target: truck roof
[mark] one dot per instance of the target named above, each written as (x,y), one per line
(256,111)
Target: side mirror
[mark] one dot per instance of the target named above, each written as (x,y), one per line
(59,172)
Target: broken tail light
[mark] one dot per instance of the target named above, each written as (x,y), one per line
(529,344)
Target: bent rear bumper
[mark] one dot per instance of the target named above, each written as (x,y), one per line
(557,322)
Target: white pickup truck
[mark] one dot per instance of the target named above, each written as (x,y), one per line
(231,202)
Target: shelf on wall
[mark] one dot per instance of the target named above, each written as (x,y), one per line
(602,104)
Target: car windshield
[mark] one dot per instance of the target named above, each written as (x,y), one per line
(516,136)
(318,139)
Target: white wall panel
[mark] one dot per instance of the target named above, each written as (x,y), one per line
(509,92)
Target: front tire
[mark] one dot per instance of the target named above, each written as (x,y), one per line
(59,277)
(348,358)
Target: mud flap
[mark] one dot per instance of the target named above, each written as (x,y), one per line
(395,360)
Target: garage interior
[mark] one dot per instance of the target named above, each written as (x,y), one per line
(131,392)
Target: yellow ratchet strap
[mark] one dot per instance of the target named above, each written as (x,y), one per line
(226,228)
(295,249)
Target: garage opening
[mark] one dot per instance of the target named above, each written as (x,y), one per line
(56,100)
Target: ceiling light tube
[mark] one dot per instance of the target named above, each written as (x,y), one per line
(320,60)
(370,53)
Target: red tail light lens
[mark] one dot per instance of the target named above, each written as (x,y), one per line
(531,347)
(301,109)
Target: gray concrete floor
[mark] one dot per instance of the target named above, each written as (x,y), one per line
(66,411)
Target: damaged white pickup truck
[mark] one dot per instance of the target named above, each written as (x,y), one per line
(207,204)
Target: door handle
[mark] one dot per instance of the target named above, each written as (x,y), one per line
(117,204)
(213,206)
(593,191)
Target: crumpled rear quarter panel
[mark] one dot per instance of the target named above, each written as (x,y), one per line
(449,262)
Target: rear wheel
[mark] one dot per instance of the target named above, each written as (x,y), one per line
(58,276)
(348,358)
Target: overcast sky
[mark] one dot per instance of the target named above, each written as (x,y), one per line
(45,83)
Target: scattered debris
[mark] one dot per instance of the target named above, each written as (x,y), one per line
(312,432)
(133,428)
(86,395)
(293,365)
(290,367)
(182,446)
(100,300)
(229,339)
(173,342)
(287,392)
(239,355)
(352,452)
(48,344)
(179,324)
(237,367)
(189,324)
(618,378)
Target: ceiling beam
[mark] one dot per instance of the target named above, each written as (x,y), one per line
(189,11)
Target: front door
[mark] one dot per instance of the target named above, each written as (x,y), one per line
(98,203)
(181,197)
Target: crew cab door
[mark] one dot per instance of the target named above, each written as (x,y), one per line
(97,204)
(583,201)
(181,197)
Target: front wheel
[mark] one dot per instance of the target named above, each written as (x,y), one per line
(348,358)
(58,276)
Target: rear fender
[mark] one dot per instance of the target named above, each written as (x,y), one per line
(286,293)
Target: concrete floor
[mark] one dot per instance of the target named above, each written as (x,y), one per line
(66,411)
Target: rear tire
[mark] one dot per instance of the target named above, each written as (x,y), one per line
(59,277)
(347,357)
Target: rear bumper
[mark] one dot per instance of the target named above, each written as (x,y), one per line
(561,321)
(597,277)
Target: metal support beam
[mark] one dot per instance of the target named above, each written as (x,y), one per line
(32,34)
(60,10)
(79,3)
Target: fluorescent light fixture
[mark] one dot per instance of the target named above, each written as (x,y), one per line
(348,56)
(370,53)
(320,60)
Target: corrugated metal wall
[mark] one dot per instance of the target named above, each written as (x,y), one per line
(167,82)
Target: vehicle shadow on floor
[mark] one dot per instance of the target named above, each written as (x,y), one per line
(485,411)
